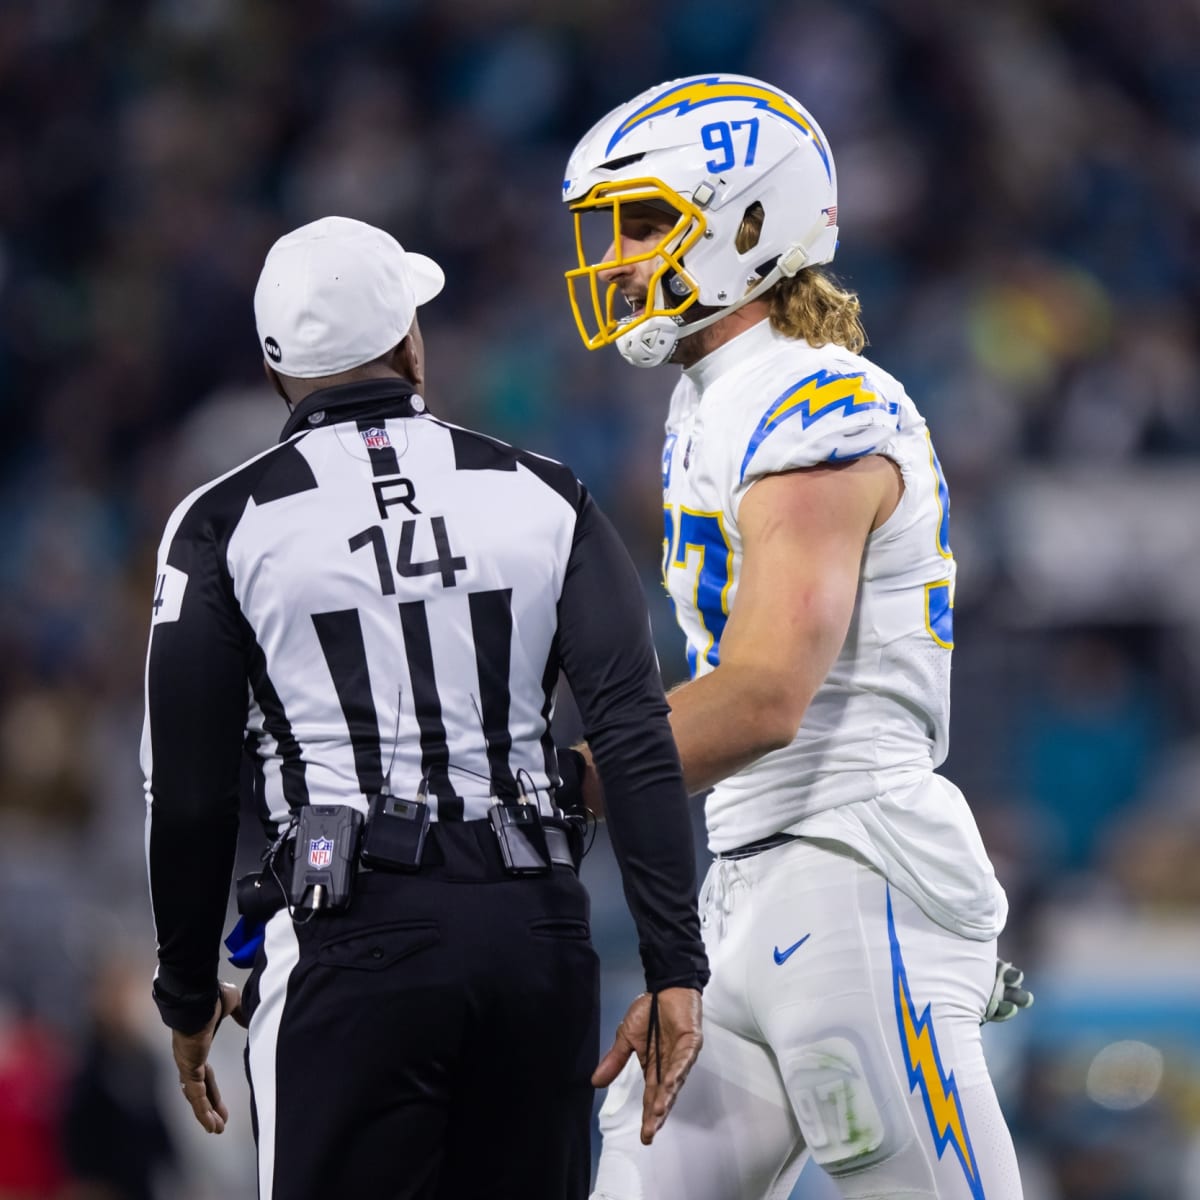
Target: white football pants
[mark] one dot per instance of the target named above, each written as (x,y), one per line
(841,1023)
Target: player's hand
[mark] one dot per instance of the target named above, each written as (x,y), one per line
(1009,994)
(666,1057)
(196,1077)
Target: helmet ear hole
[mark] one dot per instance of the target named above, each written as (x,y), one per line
(750,229)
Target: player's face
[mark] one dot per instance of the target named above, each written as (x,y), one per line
(643,227)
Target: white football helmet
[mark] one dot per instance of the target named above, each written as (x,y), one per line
(705,149)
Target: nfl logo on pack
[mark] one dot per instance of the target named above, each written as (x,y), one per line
(376,439)
(320,852)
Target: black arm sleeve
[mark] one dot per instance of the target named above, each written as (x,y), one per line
(196,702)
(608,658)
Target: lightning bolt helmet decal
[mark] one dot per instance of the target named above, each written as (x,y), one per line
(690,94)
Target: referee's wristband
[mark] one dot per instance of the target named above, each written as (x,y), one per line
(695,982)
(681,965)
(188,1012)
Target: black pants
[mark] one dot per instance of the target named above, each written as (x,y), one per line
(435,1041)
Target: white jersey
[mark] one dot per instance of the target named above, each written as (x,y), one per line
(860,771)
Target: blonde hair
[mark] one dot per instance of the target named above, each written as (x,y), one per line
(810,305)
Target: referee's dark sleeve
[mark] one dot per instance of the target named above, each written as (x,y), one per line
(196,703)
(608,657)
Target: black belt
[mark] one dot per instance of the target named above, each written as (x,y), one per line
(260,894)
(557,842)
(750,849)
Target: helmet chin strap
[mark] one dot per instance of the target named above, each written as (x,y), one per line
(651,343)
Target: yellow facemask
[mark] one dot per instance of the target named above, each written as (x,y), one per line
(670,249)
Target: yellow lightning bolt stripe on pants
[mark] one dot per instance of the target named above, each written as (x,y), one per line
(939,1090)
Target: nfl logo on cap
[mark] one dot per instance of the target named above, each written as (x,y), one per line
(376,439)
(320,852)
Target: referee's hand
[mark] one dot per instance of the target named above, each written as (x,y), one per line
(672,1047)
(196,1077)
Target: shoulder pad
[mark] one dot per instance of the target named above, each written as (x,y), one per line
(827,416)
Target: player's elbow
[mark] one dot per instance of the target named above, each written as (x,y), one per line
(780,730)
(775,709)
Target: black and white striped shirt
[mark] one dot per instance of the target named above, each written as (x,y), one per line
(384,598)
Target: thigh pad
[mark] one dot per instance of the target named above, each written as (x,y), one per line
(844,1100)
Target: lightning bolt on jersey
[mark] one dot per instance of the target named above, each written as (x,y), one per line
(384,600)
(861,768)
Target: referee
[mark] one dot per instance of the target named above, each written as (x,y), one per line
(373,615)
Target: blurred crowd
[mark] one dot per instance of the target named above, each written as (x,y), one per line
(1020,213)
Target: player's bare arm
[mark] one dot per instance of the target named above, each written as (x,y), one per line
(803,535)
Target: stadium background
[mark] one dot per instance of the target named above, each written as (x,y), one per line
(1020,211)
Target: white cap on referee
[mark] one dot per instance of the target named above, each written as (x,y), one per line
(337,293)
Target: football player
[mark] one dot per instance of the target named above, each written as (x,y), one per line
(851,912)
